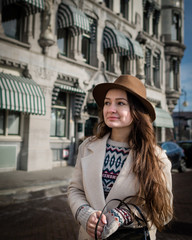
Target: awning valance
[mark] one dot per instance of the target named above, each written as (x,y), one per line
(73,18)
(163,119)
(115,40)
(28,6)
(67,88)
(21,94)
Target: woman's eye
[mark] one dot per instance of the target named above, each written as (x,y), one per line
(106,103)
(121,103)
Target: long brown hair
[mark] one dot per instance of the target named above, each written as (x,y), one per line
(146,165)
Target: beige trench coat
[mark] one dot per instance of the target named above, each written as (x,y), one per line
(86,184)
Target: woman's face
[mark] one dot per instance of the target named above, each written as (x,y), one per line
(116,110)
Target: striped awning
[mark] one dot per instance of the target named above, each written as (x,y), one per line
(67,88)
(115,40)
(136,48)
(73,18)
(163,119)
(120,43)
(12,7)
(79,96)
(21,94)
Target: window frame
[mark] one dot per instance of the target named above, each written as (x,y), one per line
(6,122)
(176,27)
(59,107)
(155,26)
(125,65)
(146,21)
(109,59)
(147,67)
(109,4)
(124,8)
(156,70)
(67,39)
(86,54)
(174,74)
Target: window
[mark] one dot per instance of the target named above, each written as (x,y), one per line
(156,16)
(146,17)
(148,66)
(65,41)
(156,70)
(124,65)
(89,43)
(15,29)
(15,22)
(59,116)
(176,27)
(109,58)
(9,122)
(125,8)
(86,48)
(109,4)
(174,74)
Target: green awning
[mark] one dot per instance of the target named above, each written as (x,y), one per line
(73,18)
(115,40)
(137,49)
(79,96)
(67,88)
(14,8)
(39,4)
(163,119)
(21,94)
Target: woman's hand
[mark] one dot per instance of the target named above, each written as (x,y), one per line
(91,224)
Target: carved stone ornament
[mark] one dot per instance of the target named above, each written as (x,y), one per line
(46,36)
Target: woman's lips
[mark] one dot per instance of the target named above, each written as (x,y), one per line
(112,118)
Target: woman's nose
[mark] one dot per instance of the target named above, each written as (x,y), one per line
(112,108)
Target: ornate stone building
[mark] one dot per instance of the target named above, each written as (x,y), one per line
(52,54)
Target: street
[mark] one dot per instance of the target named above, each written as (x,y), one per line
(51,218)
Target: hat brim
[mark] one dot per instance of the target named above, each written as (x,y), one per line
(100,91)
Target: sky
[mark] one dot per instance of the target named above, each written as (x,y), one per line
(186,62)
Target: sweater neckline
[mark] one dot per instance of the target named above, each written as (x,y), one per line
(117,144)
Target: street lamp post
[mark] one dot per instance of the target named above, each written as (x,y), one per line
(185,104)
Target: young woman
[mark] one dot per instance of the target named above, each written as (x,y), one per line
(121,160)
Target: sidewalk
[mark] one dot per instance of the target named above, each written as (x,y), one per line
(18,186)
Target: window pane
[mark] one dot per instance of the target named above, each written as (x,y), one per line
(125,8)
(61,118)
(58,122)
(13,123)
(61,99)
(10,29)
(62,41)
(53,122)
(2,122)
(86,48)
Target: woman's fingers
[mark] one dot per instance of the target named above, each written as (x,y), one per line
(91,225)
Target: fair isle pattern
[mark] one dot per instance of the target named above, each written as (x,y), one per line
(116,154)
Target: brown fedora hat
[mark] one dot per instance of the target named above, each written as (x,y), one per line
(128,83)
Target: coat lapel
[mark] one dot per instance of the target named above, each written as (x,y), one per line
(92,166)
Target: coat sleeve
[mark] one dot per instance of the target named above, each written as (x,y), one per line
(75,192)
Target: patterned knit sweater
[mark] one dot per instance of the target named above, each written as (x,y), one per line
(115,156)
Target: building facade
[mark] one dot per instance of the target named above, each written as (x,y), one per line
(52,54)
